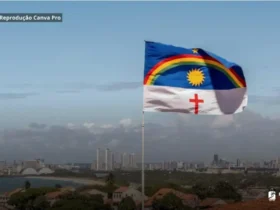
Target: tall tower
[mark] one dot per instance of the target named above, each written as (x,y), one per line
(107,159)
(131,160)
(123,160)
(216,159)
(97,159)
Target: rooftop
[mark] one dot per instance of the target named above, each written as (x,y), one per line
(259,204)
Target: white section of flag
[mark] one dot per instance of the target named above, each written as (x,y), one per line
(173,99)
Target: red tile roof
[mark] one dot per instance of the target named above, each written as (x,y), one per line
(121,189)
(209,201)
(108,201)
(163,191)
(258,204)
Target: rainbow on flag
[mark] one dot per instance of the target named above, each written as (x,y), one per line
(194,81)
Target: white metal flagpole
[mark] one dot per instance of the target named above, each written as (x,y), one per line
(143,164)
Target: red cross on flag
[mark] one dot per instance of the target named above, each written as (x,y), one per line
(191,81)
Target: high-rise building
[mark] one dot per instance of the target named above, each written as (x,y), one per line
(108,160)
(131,160)
(123,160)
(216,159)
(237,163)
(98,159)
(93,165)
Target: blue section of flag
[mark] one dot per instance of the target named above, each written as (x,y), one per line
(177,76)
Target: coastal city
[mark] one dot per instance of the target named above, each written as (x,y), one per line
(108,160)
(124,173)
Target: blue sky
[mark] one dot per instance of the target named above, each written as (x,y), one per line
(102,43)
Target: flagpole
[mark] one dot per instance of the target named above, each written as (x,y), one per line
(143,164)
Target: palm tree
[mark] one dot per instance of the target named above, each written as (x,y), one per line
(27,185)
(110,180)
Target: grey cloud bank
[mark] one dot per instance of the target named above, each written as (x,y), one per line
(180,137)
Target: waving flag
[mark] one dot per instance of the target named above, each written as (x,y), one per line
(191,81)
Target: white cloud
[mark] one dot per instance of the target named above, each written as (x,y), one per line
(106,126)
(125,122)
(222,121)
(70,126)
(89,125)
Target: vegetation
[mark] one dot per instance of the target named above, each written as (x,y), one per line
(27,185)
(105,189)
(169,202)
(110,184)
(58,186)
(32,197)
(110,180)
(79,202)
(127,203)
(222,186)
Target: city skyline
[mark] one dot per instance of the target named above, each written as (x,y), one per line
(108,160)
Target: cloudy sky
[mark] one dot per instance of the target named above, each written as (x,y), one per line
(66,88)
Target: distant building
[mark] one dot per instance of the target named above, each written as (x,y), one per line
(238,163)
(131,160)
(108,160)
(93,165)
(29,171)
(31,164)
(124,162)
(98,159)
(216,159)
(44,170)
(2,165)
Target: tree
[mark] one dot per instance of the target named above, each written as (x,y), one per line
(224,190)
(58,186)
(27,185)
(110,180)
(201,191)
(127,203)
(80,202)
(169,202)
(25,200)
(40,203)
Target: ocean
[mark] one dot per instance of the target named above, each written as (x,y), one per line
(8,184)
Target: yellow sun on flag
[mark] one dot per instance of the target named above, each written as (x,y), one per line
(195,77)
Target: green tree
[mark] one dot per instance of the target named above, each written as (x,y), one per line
(127,203)
(25,200)
(27,185)
(201,191)
(58,186)
(224,190)
(169,202)
(40,203)
(110,183)
(110,180)
(80,202)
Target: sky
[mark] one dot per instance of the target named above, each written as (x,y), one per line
(89,68)
(68,88)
